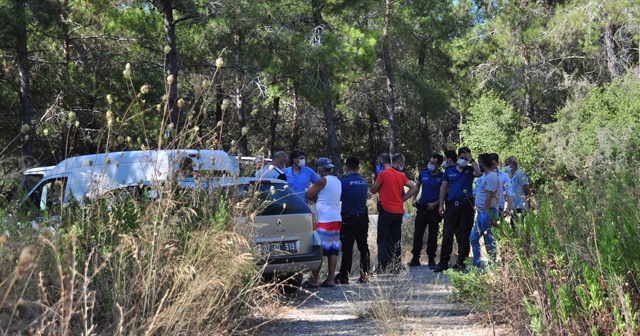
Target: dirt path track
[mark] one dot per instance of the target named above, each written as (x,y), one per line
(415,302)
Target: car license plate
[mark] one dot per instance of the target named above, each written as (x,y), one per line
(284,246)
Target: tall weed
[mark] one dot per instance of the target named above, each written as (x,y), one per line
(571,267)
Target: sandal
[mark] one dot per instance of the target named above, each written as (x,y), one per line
(308,284)
(326,284)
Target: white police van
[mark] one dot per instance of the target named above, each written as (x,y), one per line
(90,176)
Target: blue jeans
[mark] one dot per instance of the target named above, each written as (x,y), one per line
(480,230)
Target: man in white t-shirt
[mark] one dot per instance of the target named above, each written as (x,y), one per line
(520,188)
(275,170)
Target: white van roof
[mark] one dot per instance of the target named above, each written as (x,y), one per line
(95,174)
(38,170)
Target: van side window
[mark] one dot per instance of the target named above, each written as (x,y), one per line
(49,195)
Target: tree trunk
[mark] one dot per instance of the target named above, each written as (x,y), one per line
(238,40)
(609,44)
(386,58)
(329,112)
(171,63)
(528,97)
(25,78)
(375,136)
(425,140)
(274,124)
(295,127)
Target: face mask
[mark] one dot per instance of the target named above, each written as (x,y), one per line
(400,168)
(507,169)
(462,163)
(446,164)
(431,167)
(301,163)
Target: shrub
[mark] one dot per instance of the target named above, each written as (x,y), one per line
(571,267)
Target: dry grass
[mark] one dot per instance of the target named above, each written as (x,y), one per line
(162,275)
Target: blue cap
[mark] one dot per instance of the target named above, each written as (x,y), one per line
(325,163)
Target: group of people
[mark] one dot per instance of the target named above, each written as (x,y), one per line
(340,206)
(468,212)
(447,192)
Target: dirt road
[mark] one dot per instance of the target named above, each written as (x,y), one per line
(415,302)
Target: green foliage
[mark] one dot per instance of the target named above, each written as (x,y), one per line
(598,130)
(493,126)
(573,260)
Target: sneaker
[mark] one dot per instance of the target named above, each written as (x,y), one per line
(432,264)
(460,268)
(341,279)
(440,268)
(414,263)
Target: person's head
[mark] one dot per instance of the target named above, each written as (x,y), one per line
(495,159)
(485,162)
(511,164)
(398,161)
(463,154)
(279,159)
(324,166)
(435,162)
(298,158)
(384,159)
(450,158)
(352,164)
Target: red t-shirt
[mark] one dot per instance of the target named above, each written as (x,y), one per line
(391,184)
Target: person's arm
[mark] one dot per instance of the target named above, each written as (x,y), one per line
(375,187)
(312,193)
(487,203)
(413,190)
(506,188)
(414,199)
(527,195)
(476,167)
(443,195)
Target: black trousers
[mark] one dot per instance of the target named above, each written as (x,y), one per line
(389,235)
(458,222)
(426,220)
(355,229)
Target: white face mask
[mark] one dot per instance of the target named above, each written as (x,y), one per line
(431,167)
(400,168)
(507,169)
(301,163)
(462,163)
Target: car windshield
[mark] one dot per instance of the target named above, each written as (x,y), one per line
(276,199)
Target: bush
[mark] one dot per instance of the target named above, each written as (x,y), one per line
(597,131)
(571,267)
(124,265)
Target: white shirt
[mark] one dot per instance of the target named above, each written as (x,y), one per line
(328,204)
